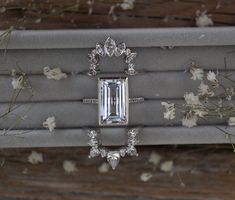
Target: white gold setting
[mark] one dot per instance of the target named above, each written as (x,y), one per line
(113,156)
(95,101)
(110,48)
(113,101)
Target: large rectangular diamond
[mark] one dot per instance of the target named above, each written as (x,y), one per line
(113,101)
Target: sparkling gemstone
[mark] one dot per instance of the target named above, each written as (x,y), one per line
(120,49)
(131,71)
(113,158)
(130,57)
(103,152)
(133,132)
(133,141)
(109,47)
(100,49)
(92,58)
(128,51)
(93,66)
(131,150)
(92,134)
(93,152)
(113,101)
(92,72)
(93,142)
(122,151)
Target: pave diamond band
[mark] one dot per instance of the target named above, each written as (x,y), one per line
(110,48)
(95,101)
(112,156)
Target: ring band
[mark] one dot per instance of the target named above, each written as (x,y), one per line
(95,101)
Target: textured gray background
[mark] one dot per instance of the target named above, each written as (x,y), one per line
(162,78)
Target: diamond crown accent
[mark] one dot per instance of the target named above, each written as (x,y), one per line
(113,156)
(111,48)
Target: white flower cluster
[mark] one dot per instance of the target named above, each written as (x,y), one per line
(19,81)
(54,73)
(127,4)
(169,114)
(49,123)
(193,108)
(203,19)
(35,158)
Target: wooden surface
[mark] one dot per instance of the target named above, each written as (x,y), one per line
(199,172)
(57,14)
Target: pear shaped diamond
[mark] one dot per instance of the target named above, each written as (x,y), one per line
(113,158)
(122,151)
(109,47)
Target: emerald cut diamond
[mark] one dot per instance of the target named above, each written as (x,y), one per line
(113,101)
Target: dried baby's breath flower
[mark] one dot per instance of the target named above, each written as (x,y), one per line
(37,21)
(191,99)
(220,103)
(211,76)
(50,123)
(197,73)
(54,73)
(127,4)
(90,3)
(167,166)
(170,110)
(189,120)
(231,121)
(104,168)
(200,111)
(13,72)
(229,93)
(146,176)
(154,158)
(17,83)
(35,158)
(69,166)
(203,19)
(25,171)
(204,90)
(2,9)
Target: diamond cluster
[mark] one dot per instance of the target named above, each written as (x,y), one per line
(110,48)
(113,156)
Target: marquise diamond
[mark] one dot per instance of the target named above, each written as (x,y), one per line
(120,49)
(109,47)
